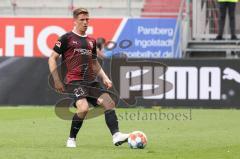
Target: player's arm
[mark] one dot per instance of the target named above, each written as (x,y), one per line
(100,73)
(52,62)
(58,49)
(98,69)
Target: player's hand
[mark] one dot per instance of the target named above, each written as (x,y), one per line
(59,86)
(107,83)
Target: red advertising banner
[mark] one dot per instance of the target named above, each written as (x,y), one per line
(34,37)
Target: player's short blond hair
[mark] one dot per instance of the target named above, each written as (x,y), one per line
(78,11)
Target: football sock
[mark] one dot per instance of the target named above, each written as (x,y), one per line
(111,121)
(76,125)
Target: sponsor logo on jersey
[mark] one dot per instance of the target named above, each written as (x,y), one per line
(83,51)
(74,42)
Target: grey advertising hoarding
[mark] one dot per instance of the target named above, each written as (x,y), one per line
(142,82)
(24,81)
(178,82)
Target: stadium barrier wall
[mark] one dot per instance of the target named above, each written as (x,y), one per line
(161,82)
(35,37)
(207,83)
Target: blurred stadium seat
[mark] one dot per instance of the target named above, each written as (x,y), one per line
(161,8)
(98,8)
(56,8)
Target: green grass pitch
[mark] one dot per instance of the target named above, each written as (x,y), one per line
(37,133)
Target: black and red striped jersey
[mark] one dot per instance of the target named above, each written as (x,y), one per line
(78,54)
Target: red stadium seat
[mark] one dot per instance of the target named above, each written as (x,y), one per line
(161,8)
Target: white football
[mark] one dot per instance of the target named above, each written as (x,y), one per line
(137,140)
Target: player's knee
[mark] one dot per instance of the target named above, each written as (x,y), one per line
(100,101)
(112,104)
(109,105)
(82,107)
(83,110)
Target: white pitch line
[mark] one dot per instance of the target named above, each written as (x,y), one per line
(8,62)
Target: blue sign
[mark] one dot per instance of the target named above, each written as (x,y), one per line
(146,38)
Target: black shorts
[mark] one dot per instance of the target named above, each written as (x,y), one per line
(89,90)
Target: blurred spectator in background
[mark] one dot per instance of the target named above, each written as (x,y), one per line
(14,6)
(225,5)
(100,47)
(106,49)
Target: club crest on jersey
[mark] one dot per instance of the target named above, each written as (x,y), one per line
(58,44)
(91,44)
(74,42)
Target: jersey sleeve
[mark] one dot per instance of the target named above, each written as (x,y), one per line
(61,44)
(94,51)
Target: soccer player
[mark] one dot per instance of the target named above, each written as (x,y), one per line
(78,52)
